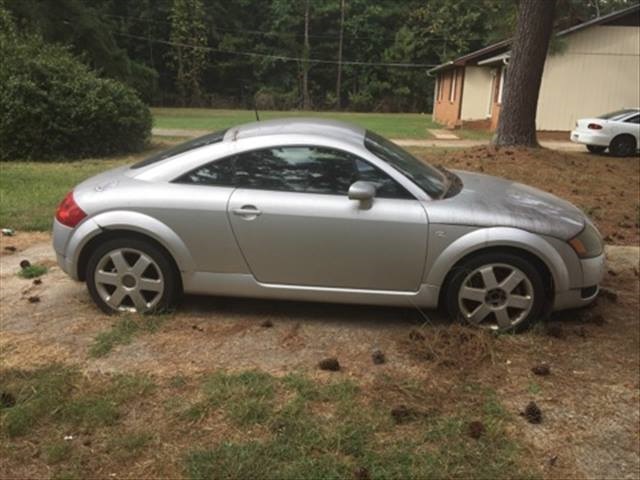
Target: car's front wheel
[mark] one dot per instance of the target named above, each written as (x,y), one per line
(129,275)
(623,146)
(497,291)
(596,148)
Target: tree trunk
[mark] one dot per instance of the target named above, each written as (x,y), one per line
(339,79)
(306,101)
(517,122)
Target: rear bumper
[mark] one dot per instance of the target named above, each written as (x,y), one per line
(590,138)
(68,243)
(592,273)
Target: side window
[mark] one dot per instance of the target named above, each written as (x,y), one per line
(634,119)
(217,173)
(296,169)
(386,187)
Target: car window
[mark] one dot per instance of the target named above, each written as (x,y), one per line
(305,169)
(182,148)
(218,173)
(617,115)
(634,119)
(425,176)
(295,169)
(386,187)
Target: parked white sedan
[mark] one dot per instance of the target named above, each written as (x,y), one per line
(618,131)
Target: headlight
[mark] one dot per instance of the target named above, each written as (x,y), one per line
(587,243)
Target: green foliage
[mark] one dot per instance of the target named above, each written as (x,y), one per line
(33,271)
(37,393)
(52,106)
(58,395)
(90,35)
(327,430)
(30,191)
(122,333)
(127,41)
(187,28)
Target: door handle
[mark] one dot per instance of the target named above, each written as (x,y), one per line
(247,211)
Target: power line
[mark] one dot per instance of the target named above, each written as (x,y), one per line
(433,37)
(284,58)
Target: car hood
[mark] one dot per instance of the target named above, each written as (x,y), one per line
(495,202)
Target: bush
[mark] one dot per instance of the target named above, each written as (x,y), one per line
(52,106)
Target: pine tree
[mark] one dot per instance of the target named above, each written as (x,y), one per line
(517,123)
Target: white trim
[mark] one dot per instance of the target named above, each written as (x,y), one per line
(501,87)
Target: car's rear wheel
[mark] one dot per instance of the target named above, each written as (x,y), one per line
(503,292)
(596,148)
(129,275)
(623,146)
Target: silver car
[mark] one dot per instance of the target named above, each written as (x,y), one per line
(307,209)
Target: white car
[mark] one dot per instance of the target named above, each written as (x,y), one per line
(618,131)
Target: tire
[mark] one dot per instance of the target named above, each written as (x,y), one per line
(596,148)
(623,146)
(130,274)
(512,304)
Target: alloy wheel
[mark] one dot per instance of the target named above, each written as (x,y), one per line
(497,296)
(129,280)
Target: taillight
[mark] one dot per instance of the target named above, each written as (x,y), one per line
(594,126)
(69,213)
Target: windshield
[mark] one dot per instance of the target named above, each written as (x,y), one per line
(182,148)
(618,114)
(425,176)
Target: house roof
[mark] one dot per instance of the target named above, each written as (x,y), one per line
(499,50)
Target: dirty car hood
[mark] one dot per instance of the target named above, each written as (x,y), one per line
(491,202)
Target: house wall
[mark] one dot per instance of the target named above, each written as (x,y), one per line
(447,110)
(478,82)
(597,71)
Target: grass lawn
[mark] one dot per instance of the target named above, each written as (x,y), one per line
(31,191)
(234,425)
(400,125)
(392,125)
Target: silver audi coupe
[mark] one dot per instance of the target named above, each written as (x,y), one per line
(308,209)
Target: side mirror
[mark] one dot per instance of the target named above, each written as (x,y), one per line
(362,191)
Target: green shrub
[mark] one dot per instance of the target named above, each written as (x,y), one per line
(52,106)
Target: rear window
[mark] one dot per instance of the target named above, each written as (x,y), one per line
(618,114)
(182,148)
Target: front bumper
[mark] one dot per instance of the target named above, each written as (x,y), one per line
(592,272)
(589,138)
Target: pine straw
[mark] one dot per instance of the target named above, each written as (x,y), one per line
(453,346)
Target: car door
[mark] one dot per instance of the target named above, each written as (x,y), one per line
(295,224)
(632,125)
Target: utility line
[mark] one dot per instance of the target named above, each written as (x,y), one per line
(285,58)
(438,38)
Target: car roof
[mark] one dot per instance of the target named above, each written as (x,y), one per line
(297,126)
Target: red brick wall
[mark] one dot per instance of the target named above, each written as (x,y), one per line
(446,108)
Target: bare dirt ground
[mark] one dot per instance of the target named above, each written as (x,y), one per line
(590,402)
(606,188)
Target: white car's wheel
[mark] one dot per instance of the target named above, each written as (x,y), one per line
(623,146)
(596,148)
